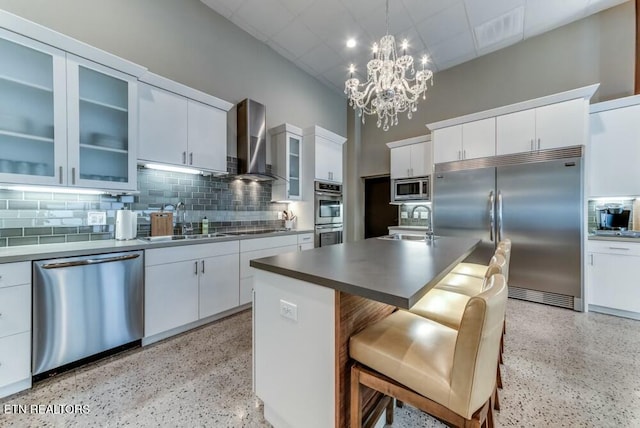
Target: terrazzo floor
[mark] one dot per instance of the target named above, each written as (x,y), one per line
(562,369)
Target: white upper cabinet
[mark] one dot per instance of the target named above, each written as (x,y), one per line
(614,152)
(328,160)
(328,153)
(447,144)
(286,142)
(167,111)
(470,140)
(410,157)
(207,137)
(181,126)
(479,139)
(102,109)
(65,120)
(554,121)
(547,127)
(33,120)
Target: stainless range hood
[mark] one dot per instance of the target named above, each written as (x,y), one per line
(252,141)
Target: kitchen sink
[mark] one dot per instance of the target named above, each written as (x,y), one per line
(183,237)
(405,237)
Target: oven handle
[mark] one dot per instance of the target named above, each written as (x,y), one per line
(90,261)
(337,195)
(329,228)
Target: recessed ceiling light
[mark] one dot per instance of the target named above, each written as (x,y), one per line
(351,43)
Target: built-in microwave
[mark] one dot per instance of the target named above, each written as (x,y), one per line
(411,189)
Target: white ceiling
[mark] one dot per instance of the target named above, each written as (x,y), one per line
(313,33)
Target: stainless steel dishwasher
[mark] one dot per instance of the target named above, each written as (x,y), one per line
(85,308)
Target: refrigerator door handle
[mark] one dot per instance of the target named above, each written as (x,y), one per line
(499,216)
(491,215)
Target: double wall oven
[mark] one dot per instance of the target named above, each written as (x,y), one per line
(328,213)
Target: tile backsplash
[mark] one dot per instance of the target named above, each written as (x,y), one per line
(28,218)
(409,210)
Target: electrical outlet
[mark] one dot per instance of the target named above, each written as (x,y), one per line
(96,218)
(416,215)
(289,310)
(404,214)
(424,215)
(280,215)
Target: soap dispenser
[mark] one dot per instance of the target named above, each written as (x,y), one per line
(205,225)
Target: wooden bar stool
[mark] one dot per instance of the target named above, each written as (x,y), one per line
(447,373)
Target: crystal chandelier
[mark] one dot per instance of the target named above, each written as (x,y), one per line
(392,84)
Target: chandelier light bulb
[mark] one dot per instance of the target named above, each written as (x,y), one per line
(351,43)
(392,84)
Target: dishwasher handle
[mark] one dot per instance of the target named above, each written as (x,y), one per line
(90,261)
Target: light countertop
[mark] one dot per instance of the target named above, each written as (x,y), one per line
(73,249)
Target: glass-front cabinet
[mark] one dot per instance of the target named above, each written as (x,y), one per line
(288,163)
(294,142)
(101,126)
(64,120)
(33,127)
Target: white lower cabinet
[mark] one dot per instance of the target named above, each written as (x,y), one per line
(171,296)
(612,271)
(258,248)
(15,360)
(305,241)
(15,327)
(189,283)
(218,284)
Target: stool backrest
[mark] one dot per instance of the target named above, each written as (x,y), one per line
(497,264)
(504,251)
(475,360)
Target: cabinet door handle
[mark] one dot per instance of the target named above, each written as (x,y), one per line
(191,158)
(184,157)
(60,175)
(619,248)
(464,154)
(538,143)
(196,272)
(532,144)
(203,266)
(73,175)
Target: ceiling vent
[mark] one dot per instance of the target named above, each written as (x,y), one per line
(500,29)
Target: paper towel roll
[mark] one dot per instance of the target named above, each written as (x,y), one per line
(126,225)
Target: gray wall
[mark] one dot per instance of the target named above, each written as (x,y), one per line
(186,41)
(599,48)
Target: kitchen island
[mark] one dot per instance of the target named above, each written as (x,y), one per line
(308,304)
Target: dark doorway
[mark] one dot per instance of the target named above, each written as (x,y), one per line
(378,213)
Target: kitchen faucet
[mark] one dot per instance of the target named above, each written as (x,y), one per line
(181,214)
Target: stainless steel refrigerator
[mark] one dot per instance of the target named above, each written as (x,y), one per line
(534,199)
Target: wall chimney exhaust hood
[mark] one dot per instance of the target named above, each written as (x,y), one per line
(252,141)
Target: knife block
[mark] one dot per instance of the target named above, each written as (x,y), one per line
(161,224)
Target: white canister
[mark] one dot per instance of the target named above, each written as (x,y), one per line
(126,225)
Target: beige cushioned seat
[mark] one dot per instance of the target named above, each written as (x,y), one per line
(471,285)
(455,369)
(478,270)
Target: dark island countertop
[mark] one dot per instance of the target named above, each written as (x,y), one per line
(398,272)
